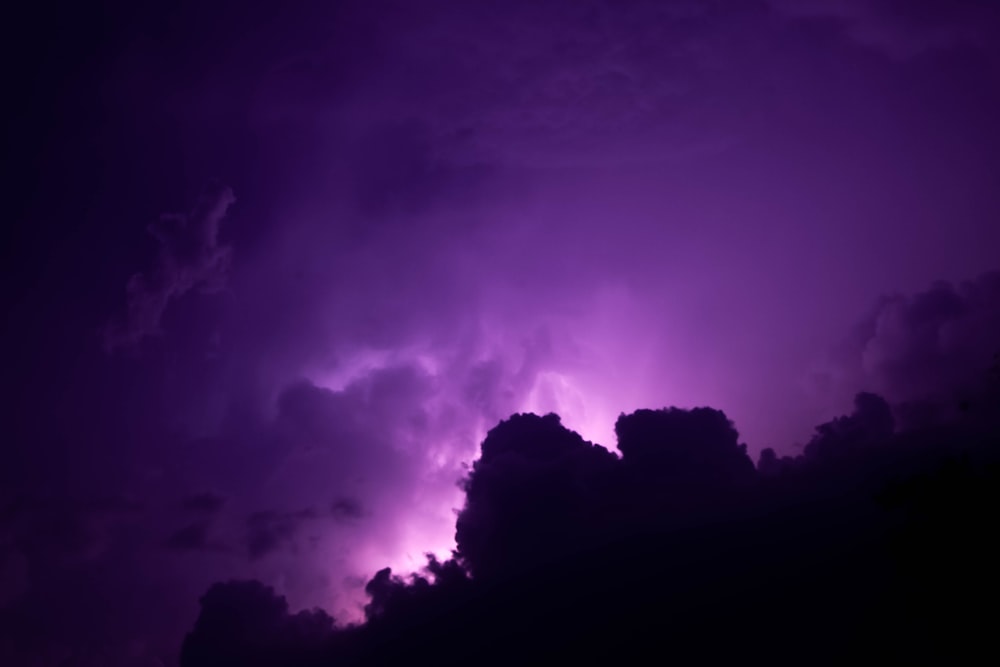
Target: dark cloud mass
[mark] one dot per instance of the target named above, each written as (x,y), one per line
(566,551)
(490,325)
(925,351)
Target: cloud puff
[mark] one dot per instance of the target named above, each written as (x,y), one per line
(540,492)
(934,346)
(871,422)
(528,494)
(189,256)
(699,446)
(247,623)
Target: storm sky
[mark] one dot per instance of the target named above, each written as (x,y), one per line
(273,272)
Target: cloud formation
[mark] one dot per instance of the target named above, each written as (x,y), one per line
(925,352)
(189,256)
(681,548)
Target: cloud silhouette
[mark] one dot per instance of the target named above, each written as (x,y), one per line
(565,549)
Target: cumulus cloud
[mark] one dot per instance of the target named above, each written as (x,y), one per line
(700,446)
(245,622)
(189,255)
(559,553)
(334,482)
(528,494)
(540,492)
(842,441)
(934,347)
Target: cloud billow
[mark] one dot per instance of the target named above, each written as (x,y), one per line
(680,548)
(189,256)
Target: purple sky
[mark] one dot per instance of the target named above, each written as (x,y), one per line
(361,233)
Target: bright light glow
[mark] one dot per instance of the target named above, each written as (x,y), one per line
(580,411)
(360,364)
(587,366)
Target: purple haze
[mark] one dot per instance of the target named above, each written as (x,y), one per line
(359,234)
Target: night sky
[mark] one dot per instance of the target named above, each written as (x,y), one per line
(272,272)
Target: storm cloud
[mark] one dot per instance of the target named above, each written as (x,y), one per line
(400,225)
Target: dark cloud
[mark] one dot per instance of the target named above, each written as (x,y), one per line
(827,548)
(347,509)
(540,492)
(700,446)
(189,255)
(269,531)
(530,495)
(931,349)
(246,623)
